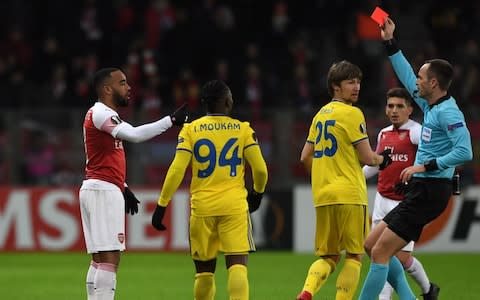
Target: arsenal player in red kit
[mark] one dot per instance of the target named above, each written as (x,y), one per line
(104,195)
(402,137)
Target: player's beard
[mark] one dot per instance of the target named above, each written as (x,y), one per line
(119,100)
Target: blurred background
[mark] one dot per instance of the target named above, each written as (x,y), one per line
(273,54)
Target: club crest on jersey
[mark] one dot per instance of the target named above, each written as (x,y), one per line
(402,135)
(116,119)
(121,238)
(363,128)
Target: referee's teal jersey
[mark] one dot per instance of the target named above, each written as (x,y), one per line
(445,136)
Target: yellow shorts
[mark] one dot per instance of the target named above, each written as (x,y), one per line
(341,227)
(231,234)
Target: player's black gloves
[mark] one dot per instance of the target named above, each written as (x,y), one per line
(131,202)
(387,160)
(157,218)
(180,115)
(401,188)
(254,200)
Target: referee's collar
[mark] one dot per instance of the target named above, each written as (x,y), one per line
(444,98)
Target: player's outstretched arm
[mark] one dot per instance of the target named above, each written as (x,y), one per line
(145,132)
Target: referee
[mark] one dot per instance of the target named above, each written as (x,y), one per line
(444,144)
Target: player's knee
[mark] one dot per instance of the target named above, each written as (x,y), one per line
(236,259)
(205,266)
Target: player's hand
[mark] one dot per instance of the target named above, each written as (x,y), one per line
(408,172)
(157,218)
(401,188)
(254,200)
(387,29)
(131,202)
(387,160)
(180,115)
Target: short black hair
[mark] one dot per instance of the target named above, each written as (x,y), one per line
(101,75)
(442,70)
(341,71)
(212,93)
(400,93)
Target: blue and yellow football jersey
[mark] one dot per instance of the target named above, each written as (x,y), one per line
(337,176)
(216,145)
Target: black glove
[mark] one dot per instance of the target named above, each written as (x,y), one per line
(401,188)
(131,202)
(180,115)
(387,160)
(157,218)
(254,200)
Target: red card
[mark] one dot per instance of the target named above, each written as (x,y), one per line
(379,15)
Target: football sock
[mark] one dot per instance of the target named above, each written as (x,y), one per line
(386,293)
(90,278)
(417,272)
(105,281)
(318,274)
(396,277)
(237,282)
(373,284)
(204,286)
(347,280)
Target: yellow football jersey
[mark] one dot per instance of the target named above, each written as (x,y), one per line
(217,144)
(337,176)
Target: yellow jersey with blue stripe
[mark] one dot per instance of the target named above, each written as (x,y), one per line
(336,174)
(217,144)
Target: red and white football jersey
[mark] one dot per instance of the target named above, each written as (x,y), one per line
(404,143)
(105,157)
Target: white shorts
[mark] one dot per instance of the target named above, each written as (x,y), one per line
(102,208)
(381,208)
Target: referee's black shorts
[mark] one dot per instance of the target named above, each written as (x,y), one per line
(425,200)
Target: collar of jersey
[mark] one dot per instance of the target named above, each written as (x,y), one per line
(444,98)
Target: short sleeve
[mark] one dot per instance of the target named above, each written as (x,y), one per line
(355,126)
(312,132)
(250,136)
(184,142)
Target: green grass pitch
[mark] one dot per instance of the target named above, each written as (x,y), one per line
(272,275)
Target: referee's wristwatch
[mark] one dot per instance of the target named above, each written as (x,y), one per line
(431,165)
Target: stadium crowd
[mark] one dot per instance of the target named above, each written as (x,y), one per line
(271,53)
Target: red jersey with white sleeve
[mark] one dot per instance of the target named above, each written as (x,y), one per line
(105,157)
(404,143)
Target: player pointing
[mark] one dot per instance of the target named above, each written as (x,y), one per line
(104,195)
